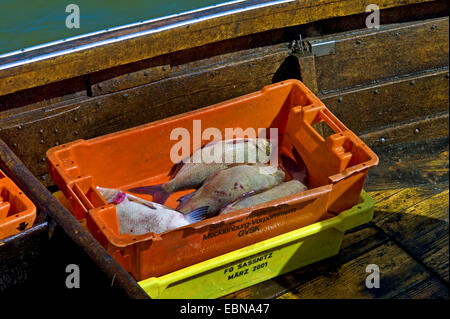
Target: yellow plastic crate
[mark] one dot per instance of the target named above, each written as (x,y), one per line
(261,261)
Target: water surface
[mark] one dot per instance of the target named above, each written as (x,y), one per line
(25,23)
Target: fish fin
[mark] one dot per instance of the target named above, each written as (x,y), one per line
(184,199)
(250,193)
(243,196)
(175,169)
(296,169)
(158,194)
(227,208)
(197,214)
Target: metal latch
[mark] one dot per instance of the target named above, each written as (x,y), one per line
(320,47)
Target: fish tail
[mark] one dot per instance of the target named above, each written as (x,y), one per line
(197,214)
(157,192)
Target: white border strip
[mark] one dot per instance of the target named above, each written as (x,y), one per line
(133,35)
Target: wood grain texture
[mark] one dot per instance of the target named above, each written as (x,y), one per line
(308,72)
(380,195)
(203,32)
(398,272)
(431,127)
(393,50)
(49,205)
(186,61)
(20,254)
(391,102)
(31,134)
(355,243)
(409,241)
(422,229)
(431,288)
(409,235)
(415,214)
(404,199)
(412,164)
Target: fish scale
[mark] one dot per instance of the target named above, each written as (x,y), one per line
(213,157)
(227,185)
(280,190)
(137,216)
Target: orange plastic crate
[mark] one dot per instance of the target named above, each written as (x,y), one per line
(17,212)
(337,168)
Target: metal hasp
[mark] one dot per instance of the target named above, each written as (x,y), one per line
(320,47)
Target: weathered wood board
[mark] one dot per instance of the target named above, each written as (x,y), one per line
(430,288)
(421,229)
(76,243)
(407,239)
(397,271)
(163,41)
(391,103)
(31,134)
(20,254)
(117,104)
(354,245)
(389,52)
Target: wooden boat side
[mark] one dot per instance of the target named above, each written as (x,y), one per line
(103,102)
(163,37)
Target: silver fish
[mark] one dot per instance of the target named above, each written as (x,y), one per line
(278,191)
(137,216)
(214,156)
(225,186)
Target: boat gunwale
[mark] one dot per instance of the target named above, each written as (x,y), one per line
(29,69)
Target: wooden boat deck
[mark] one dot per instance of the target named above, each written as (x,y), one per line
(407,238)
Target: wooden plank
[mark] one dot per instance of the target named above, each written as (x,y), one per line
(20,255)
(391,102)
(428,128)
(46,203)
(308,72)
(355,243)
(436,257)
(385,53)
(398,272)
(422,229)
(404,199)
(410,164)
(431,288)
(187,61)
(47,95)
(31,134)
(380,195)
(163,41)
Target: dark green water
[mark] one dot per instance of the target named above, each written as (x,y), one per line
(25,23)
